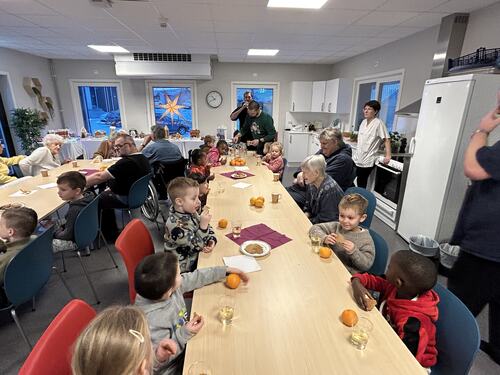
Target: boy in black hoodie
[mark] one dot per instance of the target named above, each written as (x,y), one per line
(70,186)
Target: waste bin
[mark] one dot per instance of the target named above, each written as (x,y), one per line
(425,246)
(448,254)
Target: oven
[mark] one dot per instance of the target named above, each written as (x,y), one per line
(387,189)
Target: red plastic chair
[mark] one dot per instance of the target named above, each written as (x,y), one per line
(134,244)
(52,353)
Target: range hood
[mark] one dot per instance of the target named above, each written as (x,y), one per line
(163,65)
(449,45)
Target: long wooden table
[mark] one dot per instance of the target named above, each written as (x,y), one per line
(43,201)
(287,317)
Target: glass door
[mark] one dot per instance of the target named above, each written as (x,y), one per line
(265,94)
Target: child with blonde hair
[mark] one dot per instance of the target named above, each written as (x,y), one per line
(118,341)
(352,243)
(274,158)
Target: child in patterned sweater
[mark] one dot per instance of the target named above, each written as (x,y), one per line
(187,232)
(274,159)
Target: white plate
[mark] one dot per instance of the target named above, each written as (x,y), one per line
(265,246)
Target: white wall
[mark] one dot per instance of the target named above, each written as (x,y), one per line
(483,29)
(17,65)
(134,90)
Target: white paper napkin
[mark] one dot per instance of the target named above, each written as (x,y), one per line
(241,185)
(48,186)
(19,193)
(245,168)
(242,262)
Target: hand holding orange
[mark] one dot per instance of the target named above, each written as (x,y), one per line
(232,281)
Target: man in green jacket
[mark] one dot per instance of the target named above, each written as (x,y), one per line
(257,129)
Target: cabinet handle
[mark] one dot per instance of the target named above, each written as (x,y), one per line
(293,106)
(290,139)
(322,105)
(329,107)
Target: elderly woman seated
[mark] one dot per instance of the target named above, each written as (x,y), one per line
(45,157)
(323,194)
(5,163)
(105,151)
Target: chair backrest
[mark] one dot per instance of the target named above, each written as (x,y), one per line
(30,269)
(133,244)
(87,224)
(457,335)
(372,203)
(285,163)
(381,254)
(53,352)
(166,172)
(138,192)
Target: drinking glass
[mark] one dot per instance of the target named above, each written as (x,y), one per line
(226,309)
(220,188)
(236,228)
(199,368)
(361,333)
(315,242)
(259,160)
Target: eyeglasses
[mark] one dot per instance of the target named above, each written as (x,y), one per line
(120,146)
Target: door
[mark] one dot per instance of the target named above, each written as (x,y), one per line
(301,96)
(442,115)
(318,96)
(331,95)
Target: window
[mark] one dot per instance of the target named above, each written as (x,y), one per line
(265,94)
(98,105)
(172,106)
(384,88)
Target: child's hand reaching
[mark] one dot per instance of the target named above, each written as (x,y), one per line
(208,247)
(331,239)
(166,348)
(205,218)
(243,276)
(362,296)
(348,246)
(195,324)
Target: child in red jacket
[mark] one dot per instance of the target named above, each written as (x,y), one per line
(406,300)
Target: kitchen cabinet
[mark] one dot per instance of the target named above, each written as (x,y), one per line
(338,96)
(296,146)
(314,144)
(301,96)
(318,96)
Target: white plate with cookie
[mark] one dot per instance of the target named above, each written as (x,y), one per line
(254,248)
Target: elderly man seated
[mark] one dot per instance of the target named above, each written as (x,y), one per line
(161,149)
(339,164)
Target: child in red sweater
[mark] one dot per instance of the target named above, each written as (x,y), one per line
(406,300)
(273,159)
(198,164)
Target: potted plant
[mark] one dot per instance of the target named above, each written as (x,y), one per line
(395,142)
(28,124)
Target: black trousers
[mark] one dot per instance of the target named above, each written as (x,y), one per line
(298,194)
(108,201)
(362,175)
(476,282)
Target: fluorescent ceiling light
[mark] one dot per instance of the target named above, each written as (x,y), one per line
(263,52)
(303,4)
(112,49)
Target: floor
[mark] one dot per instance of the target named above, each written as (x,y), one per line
(112,288)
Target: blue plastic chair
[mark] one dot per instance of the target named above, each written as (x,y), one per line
(381,254)
(372,203)
(457,335)
(86,231)
(285,163)
(27,273)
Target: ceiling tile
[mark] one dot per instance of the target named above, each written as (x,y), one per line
(424,20)
(411,5)
(11,20)
(82,8)
(378,18)
(361,30)
(50,21)
(354,4)
(453,6)
(400,32)
(25,7)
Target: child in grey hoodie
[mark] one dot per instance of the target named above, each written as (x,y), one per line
(160,287)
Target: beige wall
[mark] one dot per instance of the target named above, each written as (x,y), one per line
(134,90)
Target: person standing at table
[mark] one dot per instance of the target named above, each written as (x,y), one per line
(161,149)
(45,157)
(372,132)
(257,129)
(119,177)
(240,113)
(475,276)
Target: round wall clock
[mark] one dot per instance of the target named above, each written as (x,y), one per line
(214,99)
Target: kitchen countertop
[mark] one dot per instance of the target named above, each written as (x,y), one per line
(354,145)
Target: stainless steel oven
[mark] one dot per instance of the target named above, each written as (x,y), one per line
(387,189)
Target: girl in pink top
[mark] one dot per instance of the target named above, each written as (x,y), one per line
(273,159)
(217,155)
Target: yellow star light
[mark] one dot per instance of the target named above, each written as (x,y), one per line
(171,108)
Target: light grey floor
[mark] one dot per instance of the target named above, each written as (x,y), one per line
(112,288)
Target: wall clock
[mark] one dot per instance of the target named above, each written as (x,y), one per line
(214,99)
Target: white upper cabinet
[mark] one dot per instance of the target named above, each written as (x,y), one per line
(318,96)
(338,95)
(301,96)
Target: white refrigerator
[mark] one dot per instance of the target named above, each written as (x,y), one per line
(451,110)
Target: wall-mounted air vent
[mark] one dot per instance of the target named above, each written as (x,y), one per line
(165,57)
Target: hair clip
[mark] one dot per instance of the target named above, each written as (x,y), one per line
(137,335)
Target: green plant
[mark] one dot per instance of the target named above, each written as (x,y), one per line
(28,125)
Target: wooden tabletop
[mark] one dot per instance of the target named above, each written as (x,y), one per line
(287,317)
(43,201)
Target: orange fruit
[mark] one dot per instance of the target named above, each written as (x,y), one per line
(349,318)
(262,199)
(252,201)
(233,280)
(325,252)
(223,223)
(259,203)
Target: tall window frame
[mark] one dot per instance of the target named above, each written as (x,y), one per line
(150,84)
(75,97)
(379,80)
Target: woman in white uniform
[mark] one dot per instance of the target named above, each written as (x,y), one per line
(372,132)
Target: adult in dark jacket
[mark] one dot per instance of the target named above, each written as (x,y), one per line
(475,275)
(339,164)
